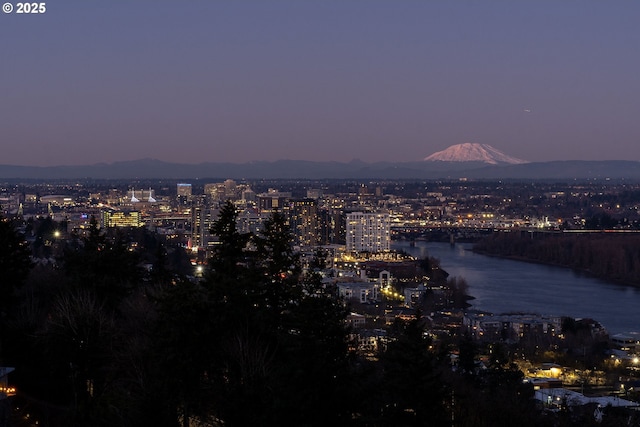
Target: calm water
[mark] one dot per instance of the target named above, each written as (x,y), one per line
(501,285)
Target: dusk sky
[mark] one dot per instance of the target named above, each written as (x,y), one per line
(239,81)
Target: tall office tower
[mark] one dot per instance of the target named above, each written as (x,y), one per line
(370,232)
(202,219)
(183,189)
(303,220)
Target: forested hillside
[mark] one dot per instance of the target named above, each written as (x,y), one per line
(608,256)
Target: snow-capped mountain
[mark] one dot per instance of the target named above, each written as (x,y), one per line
(472,152)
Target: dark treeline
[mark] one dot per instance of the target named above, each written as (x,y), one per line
(609,256)
(97,340)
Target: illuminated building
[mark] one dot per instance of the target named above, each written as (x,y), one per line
(56,200)
(273,200)
(230,187)
(141,196)
(303,220)
(215,191)
(184,193)
(202,220)
(121,219)
(368,232)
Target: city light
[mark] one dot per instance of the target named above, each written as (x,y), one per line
(8,391)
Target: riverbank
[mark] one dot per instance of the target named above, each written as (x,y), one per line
(585,272)
(502,285)
(611,258)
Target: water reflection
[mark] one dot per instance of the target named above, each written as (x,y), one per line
(501,285)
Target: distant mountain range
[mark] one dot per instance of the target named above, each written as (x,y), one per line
(297,169)
(471,161)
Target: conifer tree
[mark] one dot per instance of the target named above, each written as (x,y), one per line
(413,390)
(15,264)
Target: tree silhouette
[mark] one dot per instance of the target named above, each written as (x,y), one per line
(15,264)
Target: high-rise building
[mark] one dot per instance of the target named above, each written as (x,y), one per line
(370,232)
(202,219)
(303,220)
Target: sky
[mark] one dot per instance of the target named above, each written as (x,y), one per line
(239,81)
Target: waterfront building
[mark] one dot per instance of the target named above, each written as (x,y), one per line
(628,342)
(368,232)
(556,399)
(488,327)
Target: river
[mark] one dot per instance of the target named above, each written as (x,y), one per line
(502,285)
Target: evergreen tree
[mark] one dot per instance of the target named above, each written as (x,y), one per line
(15,264)
(183,342)
(280,340)
(414,392)
(279,266)
(313,369)
(79,342)
(231,249)
(104,265)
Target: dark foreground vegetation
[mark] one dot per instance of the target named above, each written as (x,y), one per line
(610,256)
(98,341)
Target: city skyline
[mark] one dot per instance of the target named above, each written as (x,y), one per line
(88,83)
